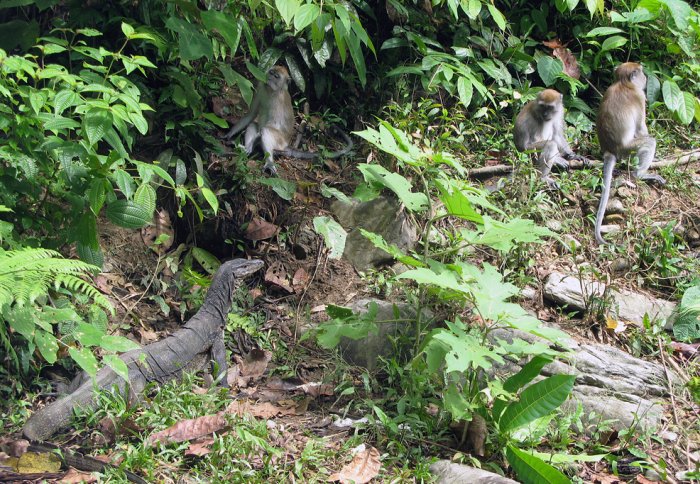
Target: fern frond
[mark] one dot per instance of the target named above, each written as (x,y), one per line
(28,273)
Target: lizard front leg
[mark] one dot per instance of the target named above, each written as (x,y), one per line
(218,359)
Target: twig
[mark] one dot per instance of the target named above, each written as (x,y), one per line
(577,165)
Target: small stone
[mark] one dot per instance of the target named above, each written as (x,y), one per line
(652,475)
(609,229)
(569,243)
(528,293)
(615,206)
(615,217)
(625,192)
(668,435)
(554,225)
(620,265)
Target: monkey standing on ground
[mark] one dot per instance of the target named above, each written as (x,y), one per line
(622,130)
(271,120)
(540,126)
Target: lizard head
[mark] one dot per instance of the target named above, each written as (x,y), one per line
(241,268)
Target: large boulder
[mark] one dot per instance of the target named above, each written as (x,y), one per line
(384,216)
(446,472)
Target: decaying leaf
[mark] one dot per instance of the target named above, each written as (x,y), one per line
(260,229)
(253,366)
(364,467)
(276,274)
(35,462)
(200,447)
(316,389)
(190,429)
(565,56)
(74,476)
(260,410)
(300,280)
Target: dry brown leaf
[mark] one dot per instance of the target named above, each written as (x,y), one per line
(161,226)
(604,479)
(75,476)
(685,349)
(14,448)
(260,229)
(261,410)
(255,293)
(562,53)
(643,480)
(190,429)
(277,274)
(364,467)
(300,279)
(147,336)
(199,447)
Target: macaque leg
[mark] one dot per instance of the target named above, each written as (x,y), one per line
(270,142)
(251,136)
(550,156)
(646,149)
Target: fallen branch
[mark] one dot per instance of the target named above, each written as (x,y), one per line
(577,165)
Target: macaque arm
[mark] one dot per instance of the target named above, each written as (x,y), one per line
(245,120)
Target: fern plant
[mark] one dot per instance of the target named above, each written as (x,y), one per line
(29,278)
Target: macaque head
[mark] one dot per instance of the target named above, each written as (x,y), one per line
(549,104)
(633,73)
(277,78)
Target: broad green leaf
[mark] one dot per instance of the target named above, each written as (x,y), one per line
(145,196)
(603,31)
(306,14)
(473,8)
(614,42)
(64,99)
(118,343)
(686,109)
(537,400)
(47,344)
(128,214)
(391,249)
(86,230)
(225,25)
(466,352)
(353,326)
(22,321)
(125,183)
(139,122)
(127,29)
(672,95)
(155,168)
(333,234)
(206,259)
(465,89)
(593,5)
(96,123)
(96,194)
(287,9)
(569,458)
(59,123)
(88,335)
(458,205)
(211,199)
(193,44)
(118,365)
(653,88)
(416,202)
(85,359)
(220,122)
(504,236)
(328,192)
(91,255)
(526,374)
(284,188)
(497,16)
(532,470)
(446,279)
(549,69)
(353,43)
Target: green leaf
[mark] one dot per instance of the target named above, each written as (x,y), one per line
(127,29)
(497,16)
(465,89)
(211,199)
(213,118)
(602,31)
(64,99)
(205,259)
(306,14)
(284,188)
(117,343)
(353,326)
(672,95)
(118,365)
(85,359)
(614,42)
(145,196)
(91,255)
(536,401)
(391,249)
(333,235)
(88,335)
(22,321)
(549,69)
(125,183)
(96,194)
(225,25)
(287,9)
(328,192)
(458,205)
(504,236)
(466,352)
(128,214)
(192,43)
(686,109)
(416,202)
(593,5)
(532,470)
(47,344)
(526,374)
(96,123)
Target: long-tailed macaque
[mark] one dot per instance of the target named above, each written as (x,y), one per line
(622,131)
(540,126)
(271,120)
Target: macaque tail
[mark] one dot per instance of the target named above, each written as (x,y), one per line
(307,155)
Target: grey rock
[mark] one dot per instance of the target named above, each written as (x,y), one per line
(553,225)
(626,305)
(620,265)
(384,216)
(569,243)
(446,472)
(615,205)
(365,352)
(609,382)
(609,229)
